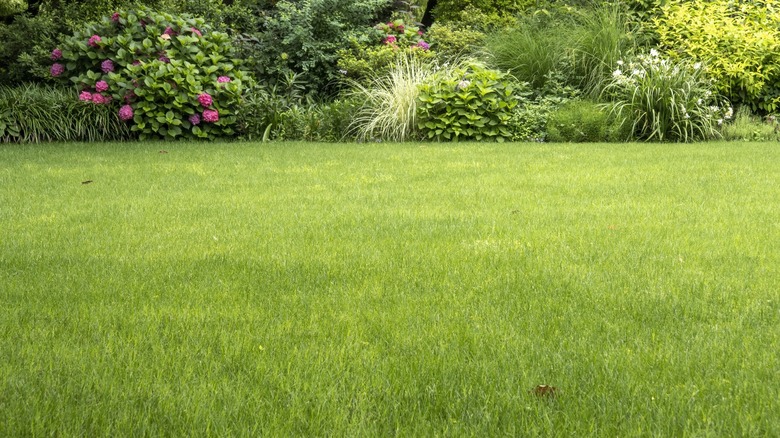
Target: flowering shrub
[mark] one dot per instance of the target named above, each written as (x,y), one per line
(365,60)
(665,100)
(467,103)
(163,68)
(398,33)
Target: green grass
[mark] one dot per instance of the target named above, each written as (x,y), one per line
(389,289)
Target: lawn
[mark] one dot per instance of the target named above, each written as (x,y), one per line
(389,289)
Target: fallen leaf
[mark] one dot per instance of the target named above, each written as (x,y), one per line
(87,181)
(544,391)
(163,152)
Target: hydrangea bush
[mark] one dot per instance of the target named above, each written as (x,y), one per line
(170,76)
(665,100)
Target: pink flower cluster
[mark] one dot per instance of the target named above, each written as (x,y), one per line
(205,99)
(210,116)
(107,66)
(93,41)
(196,31)
(57,69)
(56,54)
(390,39)
(223,79)
(125,113)
(101,86)
(95,98)
(194,119)
(115,17)
(169,31)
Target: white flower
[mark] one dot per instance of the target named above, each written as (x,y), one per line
(699,102)
(636,72)
(620,62)
(653,53)
(697,66)
(463,84)
(343,72)
(729,113)
(720,122)
(617,73)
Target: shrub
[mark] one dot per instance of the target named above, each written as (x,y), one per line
(665,100)
(739,44)
(748,127)
(580,121)
(468,102)
(530,118)
(452,10)
(36,113)
(284,112)
(453,41)
(376,54)
(305,38)
(179,77)
(389,111)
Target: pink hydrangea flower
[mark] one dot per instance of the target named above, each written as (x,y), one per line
(205,99)
(196,31)
(164,59)
(136,62)
(98,99)
(115,17)
(195,119)
(210,116)
(390,39)
(57,69)
(125,113)
(107,66)
(56,54)
(101,86)
(423,45)
(85,96)
(169,31)
(223,79)
(93,41)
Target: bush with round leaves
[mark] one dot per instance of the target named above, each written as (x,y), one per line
(469,102)
(170,76)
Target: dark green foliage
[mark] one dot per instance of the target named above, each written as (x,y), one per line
(467,103)
(305,37)
(581,121)
(36,113)
(283,112)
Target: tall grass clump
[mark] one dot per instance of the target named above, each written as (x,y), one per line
(389,111)
(532,51)
(665,100)
(38,113)
(603,38)
(579,45)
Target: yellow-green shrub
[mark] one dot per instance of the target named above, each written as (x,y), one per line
(738,43)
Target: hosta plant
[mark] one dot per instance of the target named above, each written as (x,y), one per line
(468,102)
(168,76)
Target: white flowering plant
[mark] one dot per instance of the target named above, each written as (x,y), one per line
(665,100)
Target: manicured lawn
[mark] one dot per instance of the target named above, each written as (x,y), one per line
(389,289)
